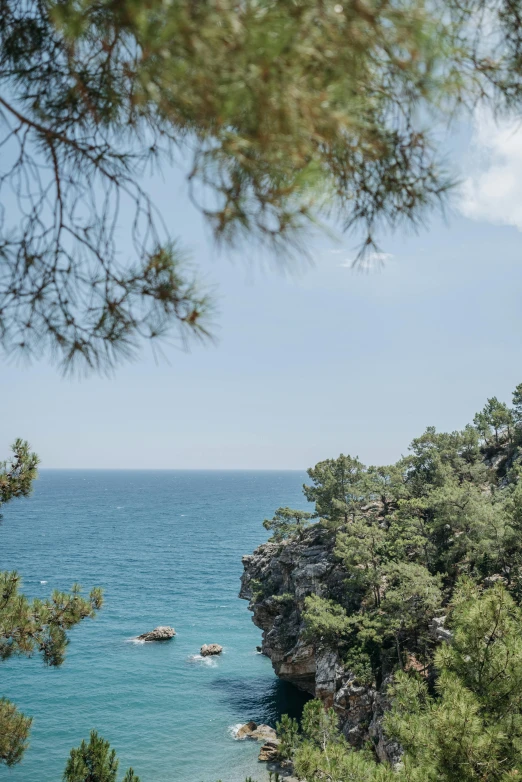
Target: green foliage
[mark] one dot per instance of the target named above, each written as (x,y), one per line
(471,729)
(425,539)
(286,523)
(281,124)
(31,626)
(496,417)
(325,620)
(403,535)
(517,404)
(18,473)
(321,752)
(337,488)
(95,762)
(94,95)
(288,734)
(14,733)
(468,730)
(41,625)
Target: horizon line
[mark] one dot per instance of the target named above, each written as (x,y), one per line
(180,469)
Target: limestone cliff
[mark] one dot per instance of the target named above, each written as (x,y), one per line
(276,580)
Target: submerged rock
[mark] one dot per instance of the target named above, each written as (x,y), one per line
(163,633)
(208,649)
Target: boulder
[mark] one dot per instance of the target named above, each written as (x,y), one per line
(246,730)
(208,649)
(162,633)
(263,733)
(269,751)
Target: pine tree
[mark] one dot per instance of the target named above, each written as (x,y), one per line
(31,626)
(95,761)
(472,730)
(281,124)
(495,416)
(287,522)
(338,488)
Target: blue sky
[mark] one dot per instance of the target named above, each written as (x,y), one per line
(316,362)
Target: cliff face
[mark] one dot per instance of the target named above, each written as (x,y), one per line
(276,580)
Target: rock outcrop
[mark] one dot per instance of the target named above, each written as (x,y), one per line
(269,751)
(209,649)
(276,580)
(163,633)
(251,730)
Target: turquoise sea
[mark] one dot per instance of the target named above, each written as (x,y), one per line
(166,547)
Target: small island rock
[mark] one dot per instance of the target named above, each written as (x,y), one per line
(162,633)
(208,649)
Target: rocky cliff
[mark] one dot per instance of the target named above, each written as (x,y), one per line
(276,580)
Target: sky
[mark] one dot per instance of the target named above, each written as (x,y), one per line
(315,362)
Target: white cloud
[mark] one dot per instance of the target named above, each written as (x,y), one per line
(369,261)
(492,190)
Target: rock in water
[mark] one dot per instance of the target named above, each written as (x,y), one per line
(163,633)
(269,751)
(263,733)
(208,649)
(251,730)
(245,731)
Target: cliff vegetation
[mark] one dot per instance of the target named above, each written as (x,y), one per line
(397,605)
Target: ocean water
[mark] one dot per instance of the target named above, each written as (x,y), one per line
(166,547)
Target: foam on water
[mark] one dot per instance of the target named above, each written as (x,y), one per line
(173,557)
(200,660)
(233,731)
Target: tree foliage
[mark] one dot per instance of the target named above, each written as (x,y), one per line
(18,473)
(14,733)
(286,522)
(285,114)
(95,761)
(34,626)
(465,729)
(427,592)
(470,728)
(337,488)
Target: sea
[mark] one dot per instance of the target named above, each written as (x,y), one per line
(166,548)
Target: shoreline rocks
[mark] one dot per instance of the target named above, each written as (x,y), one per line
(251,730)
(246,730)
(210,649)
(269,751)
(162,633)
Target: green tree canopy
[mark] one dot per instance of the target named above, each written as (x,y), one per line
(286,113)
(466,730)
(495,418)
(286,522)
(95,761)
(337,488)
(471,729)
